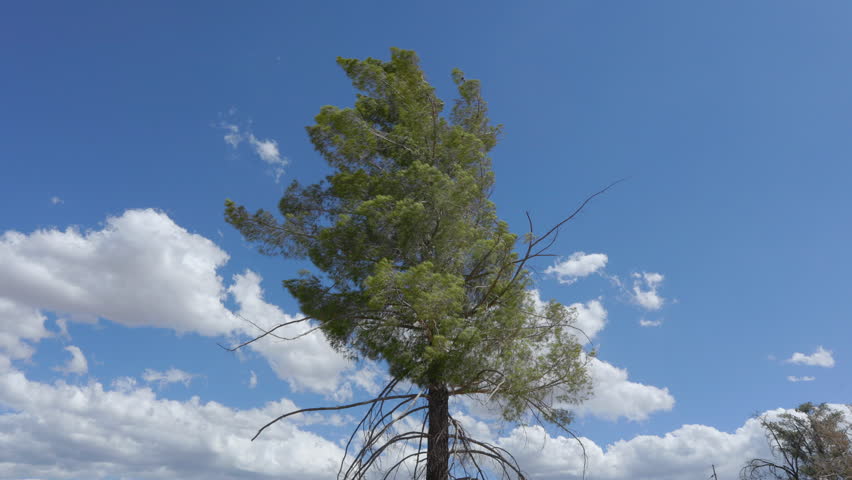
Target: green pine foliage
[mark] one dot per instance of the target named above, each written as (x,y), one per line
(412,265)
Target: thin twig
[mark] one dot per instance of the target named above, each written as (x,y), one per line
(265,333)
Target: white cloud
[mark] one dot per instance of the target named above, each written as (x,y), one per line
(233,136)
(77,364)
(306,362)
(172,375)
(474,427)
(252,379)
(140,269)
(686,452)
(124,384)
(820,358)
(19,326)
(266,149)
(578,265)
(644,292)
(62,325)
(590,317)
(791,378)
(614,395)
(56,200)
(650,323)
(67,431)
(368,376)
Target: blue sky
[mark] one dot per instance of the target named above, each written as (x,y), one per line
(730,119)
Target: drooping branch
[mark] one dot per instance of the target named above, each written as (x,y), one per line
(373,437)
(401,461)
(537,408)
(470,447)
(464,451)
(462,435)
(322,409)
(360,472)
(385,392)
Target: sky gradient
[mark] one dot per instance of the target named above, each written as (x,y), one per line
(713,278)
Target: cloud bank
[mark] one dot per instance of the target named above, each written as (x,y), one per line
(143,270)
(91,431)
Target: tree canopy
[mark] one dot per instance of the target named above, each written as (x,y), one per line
(414,268)
(812,443)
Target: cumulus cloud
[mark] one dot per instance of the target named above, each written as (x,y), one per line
(474,427)
(56,200)
(77,364)
(578,265)
(686,452)
(615,396)
(20,326)
(305,362)
(266,149)
(252,379)
(590,317)
(66,431)
(140,269)
(124,384)
(172,375)
(794,379)
(62,325)
(820,358)
(644,292)
(368,376)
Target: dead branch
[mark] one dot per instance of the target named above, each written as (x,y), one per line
(267,332)
(321,409)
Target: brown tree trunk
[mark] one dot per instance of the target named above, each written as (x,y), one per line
(438,453)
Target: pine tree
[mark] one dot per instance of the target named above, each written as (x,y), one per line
(414,269)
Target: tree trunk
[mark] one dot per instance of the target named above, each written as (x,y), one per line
(438,453)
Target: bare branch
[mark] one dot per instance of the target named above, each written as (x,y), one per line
(267,332)
(385,391)
(321,409)
(577,211)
